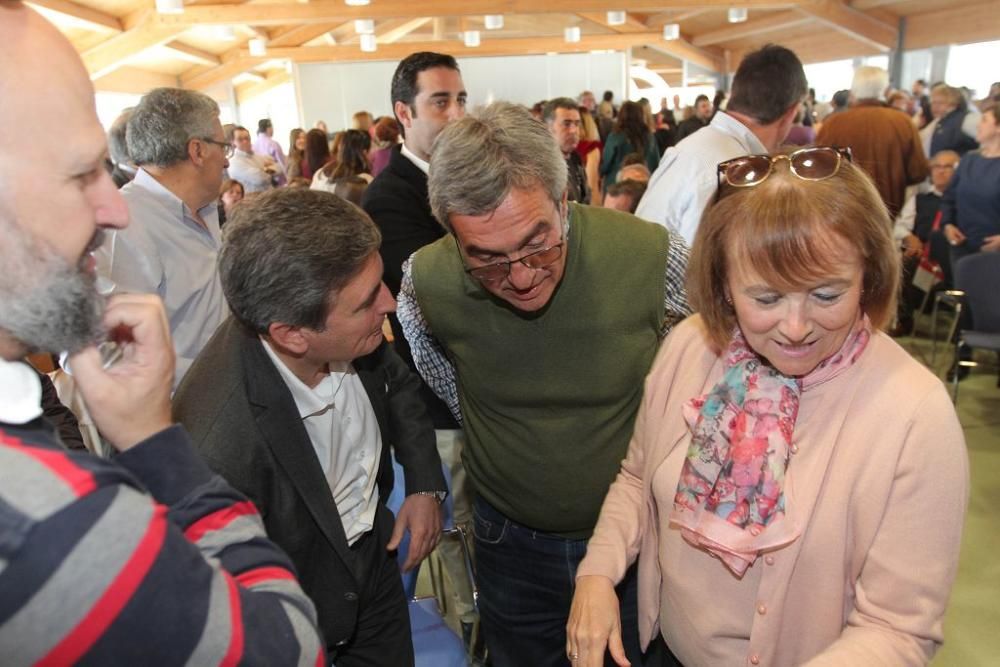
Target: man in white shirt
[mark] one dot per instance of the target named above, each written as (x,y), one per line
(175,138)
(297,401)
(768,88)
(256,173)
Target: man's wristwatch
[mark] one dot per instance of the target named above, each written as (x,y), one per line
(439,496)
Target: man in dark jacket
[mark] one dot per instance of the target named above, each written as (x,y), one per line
(297,400)
(427,94)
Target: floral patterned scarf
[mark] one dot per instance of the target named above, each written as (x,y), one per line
(730,498)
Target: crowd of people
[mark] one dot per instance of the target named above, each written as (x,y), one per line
(681,436)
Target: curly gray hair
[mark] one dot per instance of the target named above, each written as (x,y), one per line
(163,123)
(479,159)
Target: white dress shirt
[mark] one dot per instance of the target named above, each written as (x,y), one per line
(165,251)
(687,178)
(249,170)
(422,165)
(344,432)
(20,393)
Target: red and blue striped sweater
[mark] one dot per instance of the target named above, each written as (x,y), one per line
(150,559)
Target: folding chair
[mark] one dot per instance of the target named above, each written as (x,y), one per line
(978,277)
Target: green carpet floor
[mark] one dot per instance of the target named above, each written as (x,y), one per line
(972,623)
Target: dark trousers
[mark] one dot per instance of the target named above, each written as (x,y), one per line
(382,637)
(526,581)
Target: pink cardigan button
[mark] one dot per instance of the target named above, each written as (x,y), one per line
(754,659)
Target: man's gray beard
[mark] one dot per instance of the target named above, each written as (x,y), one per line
(46,303)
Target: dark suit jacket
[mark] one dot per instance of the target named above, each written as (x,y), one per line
(397,201)
(244,423)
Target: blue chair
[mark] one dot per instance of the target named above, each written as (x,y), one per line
(978,277)
(434,643)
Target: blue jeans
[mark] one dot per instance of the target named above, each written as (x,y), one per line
(526,581)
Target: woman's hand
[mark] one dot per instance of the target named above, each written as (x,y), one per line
(991,243)
(594,624)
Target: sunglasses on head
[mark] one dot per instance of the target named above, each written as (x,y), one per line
(810,164)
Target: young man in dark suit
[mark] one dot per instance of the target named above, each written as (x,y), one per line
(297,400)
(427,94)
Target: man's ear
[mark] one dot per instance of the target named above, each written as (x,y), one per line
(289,338)
(403,113)
(790,112)
(196,151)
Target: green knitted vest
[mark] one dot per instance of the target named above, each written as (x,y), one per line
(549,398)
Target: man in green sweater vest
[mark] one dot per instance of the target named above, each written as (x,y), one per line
(536,321)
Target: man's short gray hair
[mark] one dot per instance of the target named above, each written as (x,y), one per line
(870,83)
(117,145)
(479,159)
(288,252)
(163,123)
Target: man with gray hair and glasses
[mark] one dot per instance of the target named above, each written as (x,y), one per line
(535,320)
(297,400)
(175,138)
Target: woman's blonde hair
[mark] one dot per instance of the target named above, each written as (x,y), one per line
(785,230)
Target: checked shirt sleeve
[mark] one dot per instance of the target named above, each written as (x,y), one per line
(428,353)
(675,301)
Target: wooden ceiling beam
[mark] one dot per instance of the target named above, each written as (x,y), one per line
(394,34)
(735,31)
(321,11)
(240,60)
(853,23)
(145,32)
(300,34)
(954,25)
(134,81)
(632,24)
(871,4)
(88,15)
(194,55)
(248,91)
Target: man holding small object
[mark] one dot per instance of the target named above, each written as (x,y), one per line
(100,562)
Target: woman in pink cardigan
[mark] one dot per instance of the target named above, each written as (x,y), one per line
(796,485)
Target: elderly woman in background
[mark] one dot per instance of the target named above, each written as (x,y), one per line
(796,484)
(953,127)
(970,207)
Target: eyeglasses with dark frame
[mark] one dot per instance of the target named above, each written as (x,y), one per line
(227,149)
(539,259)
(815,163)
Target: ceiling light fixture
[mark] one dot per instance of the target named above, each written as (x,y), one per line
(572,34)
(223,33)
(616,18)
(170,6)
(471,38)
(737,14)
(364,26)
(671,31)
(493,21)
(356,3)
(258,47)
(368,43)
